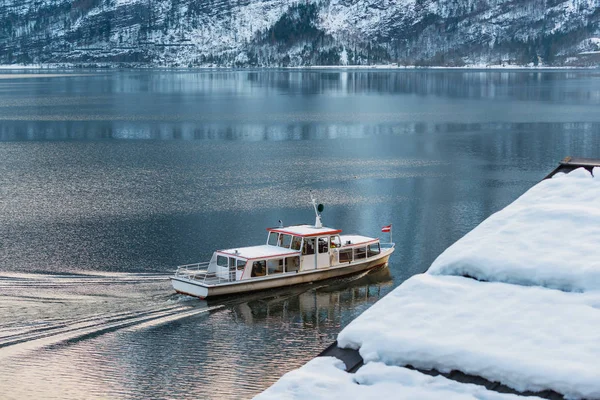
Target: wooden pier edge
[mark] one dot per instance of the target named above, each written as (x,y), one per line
(569,164)
(353,360)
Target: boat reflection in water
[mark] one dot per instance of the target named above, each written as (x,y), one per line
(311,304)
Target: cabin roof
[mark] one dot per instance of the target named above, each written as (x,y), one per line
(262,251)
(305,230)
(356,239)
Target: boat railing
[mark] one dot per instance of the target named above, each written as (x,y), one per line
(199,272)
(189,270)
(386,246)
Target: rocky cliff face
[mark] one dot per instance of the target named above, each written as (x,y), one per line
(284,33)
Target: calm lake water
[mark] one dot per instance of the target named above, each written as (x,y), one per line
(108,180)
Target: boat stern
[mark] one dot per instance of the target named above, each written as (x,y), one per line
(189,287)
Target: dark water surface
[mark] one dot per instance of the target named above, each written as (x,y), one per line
(110,179)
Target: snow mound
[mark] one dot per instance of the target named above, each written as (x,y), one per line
(528,338)
(324,378)
(550,237)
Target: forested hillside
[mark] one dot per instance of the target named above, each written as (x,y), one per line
(283,33)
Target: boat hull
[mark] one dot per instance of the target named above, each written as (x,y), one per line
(196,288)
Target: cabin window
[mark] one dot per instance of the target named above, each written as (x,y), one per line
(334,242)
(241,264)
(274,266)
(292,264)
(258,268)
(309,246)
(285,240)
(323,245)
(373,250)
(345,255)
(360,252)
(296,243)
(222,261)
(273,238)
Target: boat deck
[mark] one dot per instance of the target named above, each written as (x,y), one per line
(198,272)
(209,279)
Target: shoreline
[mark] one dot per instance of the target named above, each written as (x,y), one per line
(381,67)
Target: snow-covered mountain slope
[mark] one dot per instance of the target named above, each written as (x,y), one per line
(284,33)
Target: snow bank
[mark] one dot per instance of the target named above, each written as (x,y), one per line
(528,338)
(550,236)
(324,378)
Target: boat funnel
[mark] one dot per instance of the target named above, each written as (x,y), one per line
(318,209)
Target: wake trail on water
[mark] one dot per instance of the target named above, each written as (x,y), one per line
(39,310)
(19,280)
(44,310)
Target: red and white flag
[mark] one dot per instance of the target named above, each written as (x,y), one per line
(386,228)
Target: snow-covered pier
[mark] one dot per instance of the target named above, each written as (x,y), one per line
(511,309)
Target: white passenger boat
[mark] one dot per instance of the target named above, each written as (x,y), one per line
(292,255)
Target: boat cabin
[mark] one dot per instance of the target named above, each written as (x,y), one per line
(290,250)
